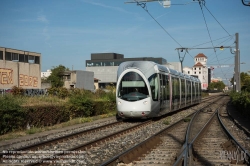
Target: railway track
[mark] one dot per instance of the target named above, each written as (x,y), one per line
(240,135)
(72,149)
(214,145)
(160,149)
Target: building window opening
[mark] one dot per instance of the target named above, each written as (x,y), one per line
(31,59)
(37,60)
(15,57)
(8,56)
(21,58)
(1,55)
(26,58)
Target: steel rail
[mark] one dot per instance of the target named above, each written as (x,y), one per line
(183,156)
(118,158)
(233,139)
(95,142)
(186,153)
(63,138)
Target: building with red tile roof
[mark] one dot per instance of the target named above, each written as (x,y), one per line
(199,70)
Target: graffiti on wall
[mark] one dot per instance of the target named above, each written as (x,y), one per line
(6,77)
(25,80)
(27,92)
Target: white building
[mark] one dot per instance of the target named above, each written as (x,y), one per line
(174,66)
(199,69)
(45,74)
(188,70)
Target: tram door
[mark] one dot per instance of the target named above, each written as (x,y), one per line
(164,91)
(161,91)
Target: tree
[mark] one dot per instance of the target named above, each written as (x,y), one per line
(216,85)
(55,77)
(245,81)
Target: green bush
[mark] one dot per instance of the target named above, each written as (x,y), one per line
(62,92)
(17,91)
(80,105)
(39,116)
(16,112)
(241,100)
(99,93)
(12,116)
(103,107)
(52,91)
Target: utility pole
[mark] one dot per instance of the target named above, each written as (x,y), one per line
(237,64)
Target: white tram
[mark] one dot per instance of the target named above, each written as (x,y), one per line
(146,89)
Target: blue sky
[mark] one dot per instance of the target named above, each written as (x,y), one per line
(67,31)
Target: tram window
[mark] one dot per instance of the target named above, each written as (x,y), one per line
(193,89)
(197,89)
(164,84)
(132,87)
(154,86)
(174,87)
(182,88)
(189,87)
(177,88)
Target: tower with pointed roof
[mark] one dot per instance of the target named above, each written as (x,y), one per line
(201,58)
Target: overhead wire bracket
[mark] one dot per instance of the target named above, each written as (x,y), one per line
(181,58)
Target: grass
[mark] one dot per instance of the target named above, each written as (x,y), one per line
(187,119)
(43,100)
(72,122)
(167,121)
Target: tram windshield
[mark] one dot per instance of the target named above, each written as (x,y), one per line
(132,87)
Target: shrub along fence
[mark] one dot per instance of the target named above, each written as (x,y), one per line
(60,105)
(241,100)
(19,117)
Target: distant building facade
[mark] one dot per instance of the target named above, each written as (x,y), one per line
(46,74)
(174,65)
(78,79)
(216,79)
(105,66)
(19,68)
(200,70)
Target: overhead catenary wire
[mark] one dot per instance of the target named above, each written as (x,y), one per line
(225,60)
(143,6)
(221,53)
(216,20)
(228,38)
(202,3)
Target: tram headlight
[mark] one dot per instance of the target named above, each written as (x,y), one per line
(119,102)
(145,102)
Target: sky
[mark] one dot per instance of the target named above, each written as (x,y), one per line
(66,32)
